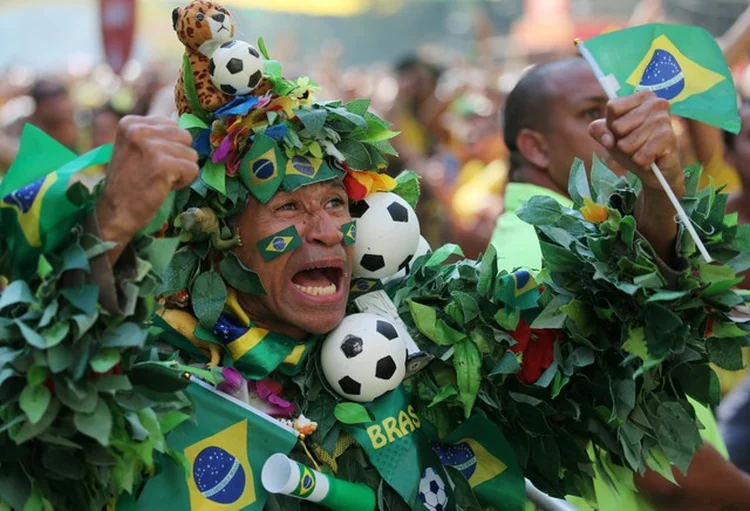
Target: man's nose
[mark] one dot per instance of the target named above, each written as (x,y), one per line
(218,17)
(324,230)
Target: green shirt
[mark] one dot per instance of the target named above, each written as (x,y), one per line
(517,246)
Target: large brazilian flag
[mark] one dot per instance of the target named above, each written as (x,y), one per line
(682,64)
(37,204)
(225,450)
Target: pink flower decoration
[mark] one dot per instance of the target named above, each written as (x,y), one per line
(222,151)
(233,380)
(265,394)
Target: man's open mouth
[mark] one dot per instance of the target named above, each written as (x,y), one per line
(319,280)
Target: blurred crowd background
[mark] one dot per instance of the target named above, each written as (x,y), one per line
(439,70)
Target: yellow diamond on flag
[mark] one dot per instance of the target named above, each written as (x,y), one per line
(27,203)
(487,466)
(279,244)
(220,474)
(667,72)
(307,482)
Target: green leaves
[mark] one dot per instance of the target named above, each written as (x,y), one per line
(425,319)
(16,292)
(97,425)
(540,210)
(313,119)
(105,360)
(127,335)
(355,153)
(726,353)
(83,297)
(214,175)
(242,278)
(209,293)
(352,413)
(180,270)
(578,186)
(467,361)
(34,402)
(407,187)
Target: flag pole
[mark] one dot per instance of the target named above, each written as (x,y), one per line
(611,91)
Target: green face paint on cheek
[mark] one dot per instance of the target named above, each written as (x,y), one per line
(280,243)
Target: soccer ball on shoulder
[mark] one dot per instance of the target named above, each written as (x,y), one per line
(366,355)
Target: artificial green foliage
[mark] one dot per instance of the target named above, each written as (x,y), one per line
(83,410)
(628,351)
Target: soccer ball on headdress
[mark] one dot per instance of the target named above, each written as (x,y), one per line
(364,357)
(432,491)
(387,235)
(236,68)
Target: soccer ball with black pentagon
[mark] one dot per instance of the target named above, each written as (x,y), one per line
(432,492)
(236,68)
(364,357)
(387,235)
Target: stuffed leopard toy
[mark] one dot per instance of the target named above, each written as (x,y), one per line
(202,26)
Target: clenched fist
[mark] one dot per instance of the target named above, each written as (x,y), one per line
(151,157)
(638,132)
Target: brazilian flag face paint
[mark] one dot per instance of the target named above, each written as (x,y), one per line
(280,243)
(262,169)
(350,232)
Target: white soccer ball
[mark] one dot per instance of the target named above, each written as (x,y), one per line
(432,492)
(387,235)
(364,357)
(423,248)
(236,68)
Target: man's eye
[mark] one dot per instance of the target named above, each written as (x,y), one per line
(592,114)
(289,206)
(336,202)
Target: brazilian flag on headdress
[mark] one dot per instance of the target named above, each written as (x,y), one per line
(305,170)
(37,209)
(681,64)
(262,169)
(225,450)
(478,449)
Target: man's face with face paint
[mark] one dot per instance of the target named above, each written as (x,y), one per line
(307,288)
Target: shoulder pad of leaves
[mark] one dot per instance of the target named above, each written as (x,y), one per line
(85,396)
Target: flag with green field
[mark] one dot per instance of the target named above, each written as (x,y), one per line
(224,452)
(682,64)
(38,203)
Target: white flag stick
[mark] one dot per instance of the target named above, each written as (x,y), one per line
(610,86)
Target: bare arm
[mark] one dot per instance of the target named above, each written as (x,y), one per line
(712,483)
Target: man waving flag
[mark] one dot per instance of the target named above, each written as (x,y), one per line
(681,64)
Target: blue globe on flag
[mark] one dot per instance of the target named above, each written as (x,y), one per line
(459,456)
(218,475)
(663,76)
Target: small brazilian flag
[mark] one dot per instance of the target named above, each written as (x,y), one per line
(349,230)
(303,170)
(262,168)
(478,449)
(37,210)
(681,64)
(225,451)
(280,243)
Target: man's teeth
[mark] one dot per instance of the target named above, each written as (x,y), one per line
(328,290)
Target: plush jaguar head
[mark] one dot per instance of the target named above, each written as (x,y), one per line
(201,22)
